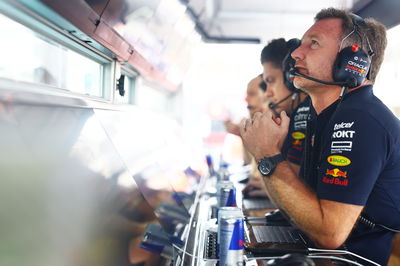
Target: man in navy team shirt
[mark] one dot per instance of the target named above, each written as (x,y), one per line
(352,158)
(282,95)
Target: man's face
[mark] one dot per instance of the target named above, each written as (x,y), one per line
(317,53)
(255,97)
(277,89)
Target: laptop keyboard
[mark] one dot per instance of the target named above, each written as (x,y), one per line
(277,234)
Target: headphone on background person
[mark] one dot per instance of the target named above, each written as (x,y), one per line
(352,65)
(288,63)
(288,77)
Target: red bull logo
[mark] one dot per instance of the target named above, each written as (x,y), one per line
(336,173)
(335,180)
(297,142)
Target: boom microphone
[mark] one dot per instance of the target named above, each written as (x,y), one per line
(351,82)
(274,105)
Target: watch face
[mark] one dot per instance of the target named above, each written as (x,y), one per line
(265,166)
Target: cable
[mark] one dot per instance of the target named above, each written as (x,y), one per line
(187,253)
(342,252)
(388,228)
(308,256)
(334,258)
(246,258)
(371,224)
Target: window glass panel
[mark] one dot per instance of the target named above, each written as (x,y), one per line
(28,56)
(389,73)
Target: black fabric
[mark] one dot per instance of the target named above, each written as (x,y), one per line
(295,140)
(353,156)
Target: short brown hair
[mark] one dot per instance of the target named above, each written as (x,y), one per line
(372,30)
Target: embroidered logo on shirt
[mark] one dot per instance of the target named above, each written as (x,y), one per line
(300,125)
(335,180)
(338,160)
(343,134)
(343,125)
(298,135)
(297,145)
(298,116)
(336,173)
(340,146)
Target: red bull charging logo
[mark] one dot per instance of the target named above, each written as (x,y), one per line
(335,176)
(336,173)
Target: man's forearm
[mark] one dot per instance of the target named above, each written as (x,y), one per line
(300,203)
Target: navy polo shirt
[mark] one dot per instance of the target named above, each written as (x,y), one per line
(353,156)
(296,136)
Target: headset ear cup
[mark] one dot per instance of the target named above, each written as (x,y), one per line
(337,66)
(351,66)
(288,77)
(288,64)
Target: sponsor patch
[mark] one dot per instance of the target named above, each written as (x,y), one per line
(300,125)
(298,135)
(343,134)
(336,181)
(297,142)
(340,146)
(343,125)
(298,117)
(336,173)
(338,160)
(303,109)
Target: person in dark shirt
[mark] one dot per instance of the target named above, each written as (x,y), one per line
(350,176)
(282,95)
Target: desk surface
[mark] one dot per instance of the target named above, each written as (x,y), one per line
(203,223)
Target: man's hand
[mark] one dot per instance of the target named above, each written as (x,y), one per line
(263,135)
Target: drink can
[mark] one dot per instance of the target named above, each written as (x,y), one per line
(221,185)
(231,240)
(231,200)
(227,196)
(226,212)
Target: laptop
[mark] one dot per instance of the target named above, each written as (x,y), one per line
(278,240)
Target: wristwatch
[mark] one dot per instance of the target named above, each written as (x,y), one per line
(267,165)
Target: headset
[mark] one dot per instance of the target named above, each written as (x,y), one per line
(287,64)
(351,65)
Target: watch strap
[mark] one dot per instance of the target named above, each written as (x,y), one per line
(277,158)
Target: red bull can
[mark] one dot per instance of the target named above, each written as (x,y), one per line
(231,240)
(228,197)
(223,190)
(226,212)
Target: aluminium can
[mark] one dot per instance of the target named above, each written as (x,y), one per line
(231,240)
(221,185)
(226,212)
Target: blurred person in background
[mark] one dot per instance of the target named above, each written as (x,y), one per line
(256,102)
